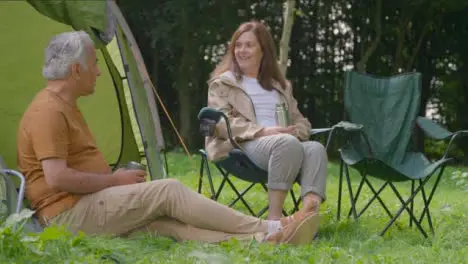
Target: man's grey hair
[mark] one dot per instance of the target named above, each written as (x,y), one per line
(64,50)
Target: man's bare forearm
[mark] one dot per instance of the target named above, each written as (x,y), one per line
(73,181)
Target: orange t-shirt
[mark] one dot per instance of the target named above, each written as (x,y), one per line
(52,128)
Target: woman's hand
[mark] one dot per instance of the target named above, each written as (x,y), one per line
(269,131)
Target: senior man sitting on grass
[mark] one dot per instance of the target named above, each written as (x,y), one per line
(69,183)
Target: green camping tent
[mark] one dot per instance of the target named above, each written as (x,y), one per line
(122,114)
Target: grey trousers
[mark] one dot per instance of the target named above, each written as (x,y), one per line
(286,158)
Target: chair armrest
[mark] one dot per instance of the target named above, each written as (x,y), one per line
(209,117)
(432,129)
(454,136)
(435,131)
(315,131)
(344,125)
(22,188)
(348,126)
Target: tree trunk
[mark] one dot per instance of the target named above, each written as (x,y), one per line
(400,43)
(185,96)
(183,81)
(361,65)
(288,18)
(427,70)
(417,47)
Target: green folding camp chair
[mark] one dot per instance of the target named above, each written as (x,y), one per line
(12,198)
(387,108)
(237,163)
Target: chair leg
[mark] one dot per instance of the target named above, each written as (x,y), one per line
(376,196)
(299,201)
(428,201)
(340,187)
(429,220)
(296,202)
(353,203)
(262,212)
(240,195)
(412,204)
(405,207)
(200,178)
(356,197)
(358,192)
(365,180)
(407,204)
(225,175)
(204,165)
(210,178)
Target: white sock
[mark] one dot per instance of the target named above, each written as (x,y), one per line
(273,226)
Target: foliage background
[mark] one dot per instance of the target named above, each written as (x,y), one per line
(182,40)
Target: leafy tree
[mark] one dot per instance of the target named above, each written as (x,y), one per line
(182,40)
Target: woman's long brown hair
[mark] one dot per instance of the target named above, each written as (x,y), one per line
(269,70)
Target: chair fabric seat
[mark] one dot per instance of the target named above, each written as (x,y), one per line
(239,165)
(414,166)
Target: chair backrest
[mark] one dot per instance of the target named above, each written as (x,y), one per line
(8,193)
(387,107)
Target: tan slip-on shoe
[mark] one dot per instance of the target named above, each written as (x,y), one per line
(298,232)
(300,214)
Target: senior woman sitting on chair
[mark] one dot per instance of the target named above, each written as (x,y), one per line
(247,86)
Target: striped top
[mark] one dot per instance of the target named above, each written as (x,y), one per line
(264,101)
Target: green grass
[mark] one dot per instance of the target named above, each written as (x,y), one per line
(345,241)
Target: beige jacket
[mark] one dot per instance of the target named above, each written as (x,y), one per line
(225,93)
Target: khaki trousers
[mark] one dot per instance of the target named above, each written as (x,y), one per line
(285,158)
(163,207)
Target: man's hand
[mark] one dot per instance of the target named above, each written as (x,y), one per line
(125,176)
(269,131)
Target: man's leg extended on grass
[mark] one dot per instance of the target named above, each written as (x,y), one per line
(173,228)
(120,209)
(147,206)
